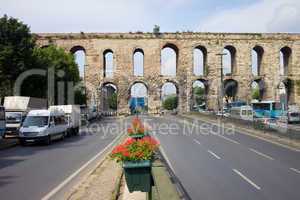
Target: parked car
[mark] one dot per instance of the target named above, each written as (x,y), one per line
(43,126)
(73,117)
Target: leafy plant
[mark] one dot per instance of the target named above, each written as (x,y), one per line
(135,149)
(137,127)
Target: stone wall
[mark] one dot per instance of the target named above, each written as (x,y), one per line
(124,44)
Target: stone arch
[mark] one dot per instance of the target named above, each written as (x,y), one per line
(200,61)
(256,60)
(169,60)
(108,63)
(285,56)
(230,90)
(138,62)
(109,98)
(138,97)
(229,60)
(199,94)
(79,53)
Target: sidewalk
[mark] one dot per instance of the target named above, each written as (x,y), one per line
(7,143)
(264,135)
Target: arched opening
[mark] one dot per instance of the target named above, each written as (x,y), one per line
(138,102)
(285,57)
(256,57)
(257,90)
(108,63)
(199,92)
(138,62)
(229,60)
(79,54)
(200,56)
(230,90)
(109,99)
(284,92)
(169,54)
(169,96)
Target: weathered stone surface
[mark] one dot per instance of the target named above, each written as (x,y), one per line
(124,44)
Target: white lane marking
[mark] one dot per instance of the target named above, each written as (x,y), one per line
(261,154)
(66,181)
(246,179)
(215,155)
(228,139)
(295,170)
(197,141)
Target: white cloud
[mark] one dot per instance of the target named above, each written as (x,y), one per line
(263,16)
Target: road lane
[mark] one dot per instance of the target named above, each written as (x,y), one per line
(206,177)
(31,172)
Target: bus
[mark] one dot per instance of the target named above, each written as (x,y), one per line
(268,109)
(2,121)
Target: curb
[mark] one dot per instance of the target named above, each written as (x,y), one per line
(8,144)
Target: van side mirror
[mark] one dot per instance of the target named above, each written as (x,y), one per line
(51,124)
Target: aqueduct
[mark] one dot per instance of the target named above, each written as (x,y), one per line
(276,58)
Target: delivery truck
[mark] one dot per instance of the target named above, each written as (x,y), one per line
(73,117)
(16,109)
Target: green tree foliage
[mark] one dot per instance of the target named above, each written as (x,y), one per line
(255,93)
(113,101)
(199,95)
(19,53)
(16,47)
(57,60)
(170,102)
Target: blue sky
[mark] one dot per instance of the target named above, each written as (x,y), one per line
(171,15)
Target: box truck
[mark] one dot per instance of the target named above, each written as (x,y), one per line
(73,117)
(16,109)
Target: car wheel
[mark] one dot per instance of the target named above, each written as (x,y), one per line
(48,140)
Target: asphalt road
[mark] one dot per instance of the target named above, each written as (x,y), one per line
(31,172)
(214,166)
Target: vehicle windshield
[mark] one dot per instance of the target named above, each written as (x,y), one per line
(36,121)
(13,117)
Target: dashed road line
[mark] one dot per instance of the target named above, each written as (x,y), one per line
(295,170)
(228,139)
(215,155)
(246,179)
(197,141)
(261,154)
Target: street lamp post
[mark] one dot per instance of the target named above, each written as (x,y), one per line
(222,84)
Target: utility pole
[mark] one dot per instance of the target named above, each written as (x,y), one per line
(221,95)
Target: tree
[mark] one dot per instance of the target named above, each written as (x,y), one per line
(65,70)
(170,103)
(199,95)
(113,101)
(255,93)
(16,47)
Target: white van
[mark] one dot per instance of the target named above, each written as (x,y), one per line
(43,125)
(242,112)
